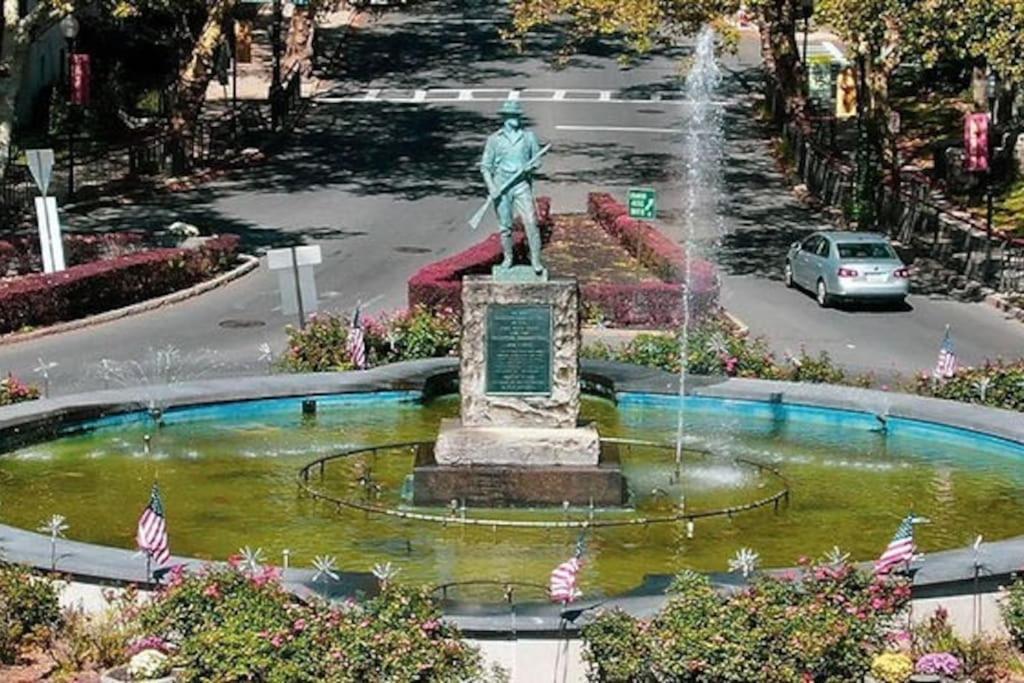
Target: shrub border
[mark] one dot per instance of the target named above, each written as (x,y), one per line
(640,305)
(249,263)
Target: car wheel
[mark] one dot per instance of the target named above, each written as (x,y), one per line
(823,297)
(787,275)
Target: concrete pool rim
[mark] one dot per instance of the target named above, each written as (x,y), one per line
(945,573)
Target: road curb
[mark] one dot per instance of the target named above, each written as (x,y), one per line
(1000,302)
(741,327)
(249,263)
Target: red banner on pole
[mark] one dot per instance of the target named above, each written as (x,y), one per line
(80,79)
(976,143)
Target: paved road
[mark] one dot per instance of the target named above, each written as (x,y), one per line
(382,176)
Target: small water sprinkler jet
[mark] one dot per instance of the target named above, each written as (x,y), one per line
(156,413)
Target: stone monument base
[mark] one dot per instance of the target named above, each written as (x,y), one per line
(499,485)
(517,446)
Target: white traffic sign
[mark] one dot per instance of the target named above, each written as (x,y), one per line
(295,278)
(40,164)
(50,242)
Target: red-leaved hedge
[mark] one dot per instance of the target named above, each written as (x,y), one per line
(35,300)
(438,285)
(21,254)
(649,304)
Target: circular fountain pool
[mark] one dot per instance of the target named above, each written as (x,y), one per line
(228,473)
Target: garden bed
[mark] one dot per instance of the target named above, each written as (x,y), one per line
(630,274)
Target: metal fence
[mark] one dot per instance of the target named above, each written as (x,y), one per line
(154,154)
(917,214)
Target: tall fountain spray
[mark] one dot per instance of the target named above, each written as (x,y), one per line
(702,149)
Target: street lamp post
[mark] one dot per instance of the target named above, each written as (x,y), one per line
(806,10)
(69,28)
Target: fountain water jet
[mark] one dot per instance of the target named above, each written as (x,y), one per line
(703,162)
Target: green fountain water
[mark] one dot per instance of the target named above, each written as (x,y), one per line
(229,480)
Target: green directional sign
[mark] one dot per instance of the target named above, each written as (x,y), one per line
(642,203)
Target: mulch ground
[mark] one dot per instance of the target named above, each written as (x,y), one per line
(582,249)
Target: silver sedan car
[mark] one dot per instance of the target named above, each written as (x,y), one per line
(839,266)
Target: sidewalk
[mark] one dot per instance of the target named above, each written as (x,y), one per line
(254,78)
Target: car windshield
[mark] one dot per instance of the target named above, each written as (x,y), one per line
(866,250)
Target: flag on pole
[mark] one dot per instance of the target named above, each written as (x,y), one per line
(563,587)
(151,536)
(945,367)
(356,342)
(900,549)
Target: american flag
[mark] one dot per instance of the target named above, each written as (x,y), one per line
(151,536)
(356,342)
(945,367)
(563,586)
(900,549)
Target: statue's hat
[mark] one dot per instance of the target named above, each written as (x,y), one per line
(511,108)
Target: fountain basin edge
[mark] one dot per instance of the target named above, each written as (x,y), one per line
(942,574)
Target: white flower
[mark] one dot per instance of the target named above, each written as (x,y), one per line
(744,561)
(149,664)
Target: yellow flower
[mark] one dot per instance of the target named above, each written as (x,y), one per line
(892,667)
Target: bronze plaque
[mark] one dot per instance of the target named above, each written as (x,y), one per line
(518,349)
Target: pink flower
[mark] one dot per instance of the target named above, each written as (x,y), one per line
(276,641)
(430,625)
(212,591)
(299,626)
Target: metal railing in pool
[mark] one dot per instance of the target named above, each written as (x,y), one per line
(319,465)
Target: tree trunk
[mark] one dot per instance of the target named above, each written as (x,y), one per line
(17,38)
(195,78)
(782,59)
(299,46)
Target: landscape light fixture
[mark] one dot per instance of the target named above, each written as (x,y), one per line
(69,27)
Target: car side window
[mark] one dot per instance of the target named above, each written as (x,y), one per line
(810,244)
(824,246)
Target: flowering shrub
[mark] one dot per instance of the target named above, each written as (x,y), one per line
(104,285)
(13,390)
(892,667)
(28,606)
(403,335)
(821,625)
(1012,607)
(149,664)
(999,384)
(939,663)
(713,348)
(230,625)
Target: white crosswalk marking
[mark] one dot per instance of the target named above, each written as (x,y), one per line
(440,95)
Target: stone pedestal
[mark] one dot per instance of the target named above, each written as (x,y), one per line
(518,441)
(517,446)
